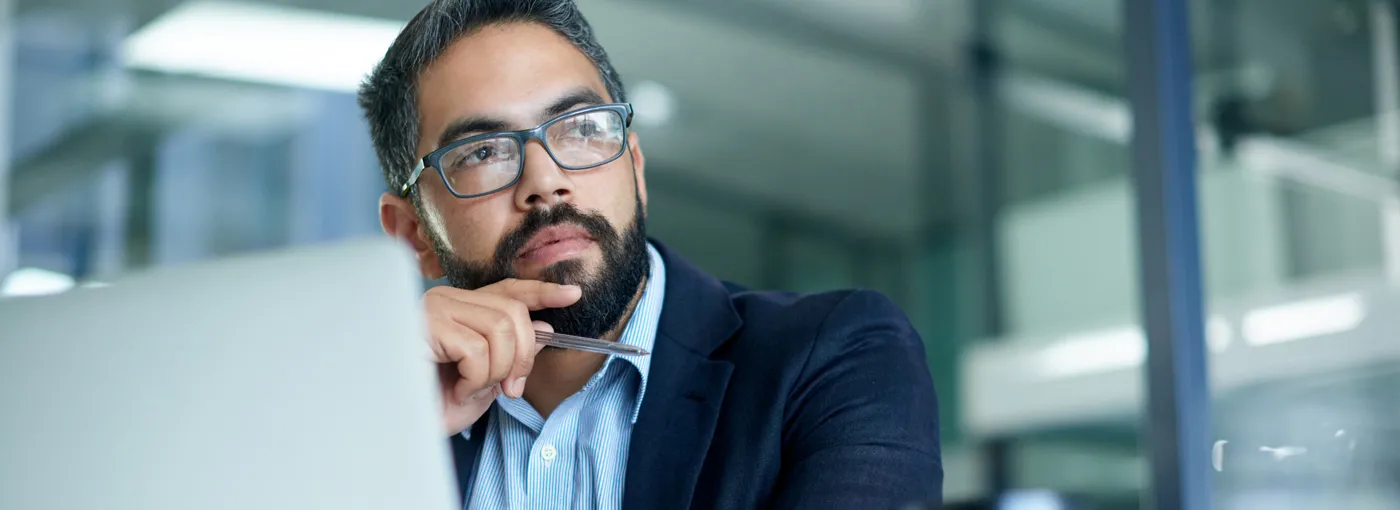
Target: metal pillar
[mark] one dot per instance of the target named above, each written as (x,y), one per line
(1386,71)
(9,251)
(1158,42)
(985,66)
(984,69)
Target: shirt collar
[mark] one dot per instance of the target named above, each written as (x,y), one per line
(641,327)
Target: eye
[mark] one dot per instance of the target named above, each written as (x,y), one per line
(587,127)
(591,125)
(482,153)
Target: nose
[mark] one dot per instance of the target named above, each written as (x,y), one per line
(542,183)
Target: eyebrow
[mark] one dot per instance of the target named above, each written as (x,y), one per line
(461,127)
(576,97)
(479,124)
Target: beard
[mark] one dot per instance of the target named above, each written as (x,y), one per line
(606,295)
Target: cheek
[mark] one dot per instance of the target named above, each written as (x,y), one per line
(610,191)
(469,228)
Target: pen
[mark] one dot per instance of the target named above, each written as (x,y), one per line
(588,344)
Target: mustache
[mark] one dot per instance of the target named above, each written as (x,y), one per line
(539,219)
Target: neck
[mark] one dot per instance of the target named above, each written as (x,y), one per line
(559,373)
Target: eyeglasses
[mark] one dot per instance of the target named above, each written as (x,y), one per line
(484,164)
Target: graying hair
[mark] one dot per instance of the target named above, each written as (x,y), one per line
(389,95)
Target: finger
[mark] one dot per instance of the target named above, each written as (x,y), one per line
(441,311)
(525,349)
(439,354)
(501,335)
(450,340)
(524,356)
(535,294)
(517,365)
(469,351)
(524,359)
(461,391)
(505,323)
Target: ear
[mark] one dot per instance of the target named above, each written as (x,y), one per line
(639,166)
(400,220)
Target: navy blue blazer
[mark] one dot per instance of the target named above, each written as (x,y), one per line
(776,400)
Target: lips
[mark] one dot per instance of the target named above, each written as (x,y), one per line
(550,236)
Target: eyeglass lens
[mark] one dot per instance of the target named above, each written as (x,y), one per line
(577,142)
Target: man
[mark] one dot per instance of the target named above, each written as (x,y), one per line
(503,132)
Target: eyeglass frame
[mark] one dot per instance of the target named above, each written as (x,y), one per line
(522,137)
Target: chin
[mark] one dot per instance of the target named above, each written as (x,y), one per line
(568,272)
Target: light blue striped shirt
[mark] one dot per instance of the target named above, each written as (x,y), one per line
(578,457)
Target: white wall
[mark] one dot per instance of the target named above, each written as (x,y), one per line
(1070,261)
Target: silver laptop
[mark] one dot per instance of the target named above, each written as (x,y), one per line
(290,380)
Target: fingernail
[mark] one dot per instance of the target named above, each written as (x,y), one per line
(518,387)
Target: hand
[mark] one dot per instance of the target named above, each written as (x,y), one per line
(484,342)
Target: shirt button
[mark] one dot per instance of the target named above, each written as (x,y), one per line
(548,452)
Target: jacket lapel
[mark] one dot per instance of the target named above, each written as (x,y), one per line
(685,389)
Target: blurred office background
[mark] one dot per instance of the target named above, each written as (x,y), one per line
(970,158)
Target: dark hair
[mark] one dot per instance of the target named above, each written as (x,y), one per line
(389,95)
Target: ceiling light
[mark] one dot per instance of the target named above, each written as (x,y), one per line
(263,44)
(653,104)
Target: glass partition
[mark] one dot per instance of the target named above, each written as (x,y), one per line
(1303,167)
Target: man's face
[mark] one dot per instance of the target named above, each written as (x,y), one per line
(577,227)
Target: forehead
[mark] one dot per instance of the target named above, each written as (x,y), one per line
(508,71)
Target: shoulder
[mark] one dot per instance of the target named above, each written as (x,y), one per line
(837,349)
(850,308)
(825,322)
